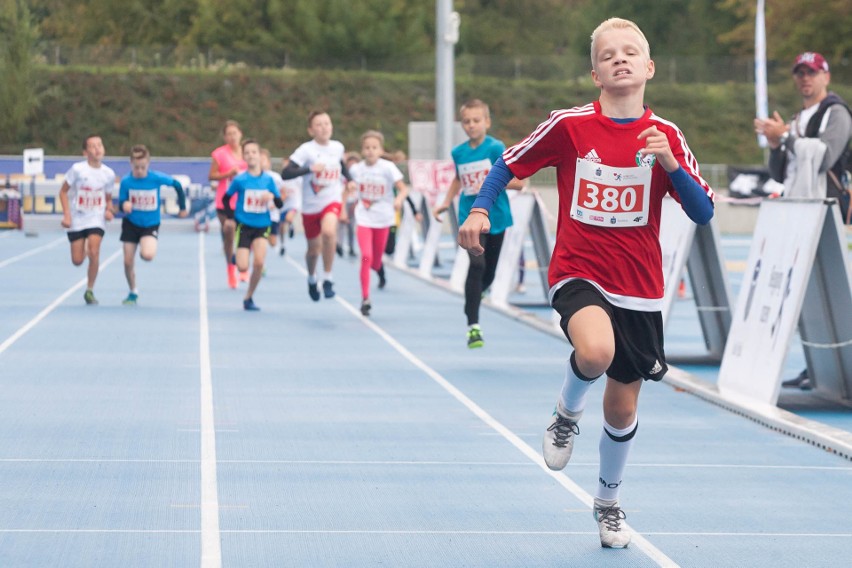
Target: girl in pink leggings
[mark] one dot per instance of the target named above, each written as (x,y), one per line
(375,179)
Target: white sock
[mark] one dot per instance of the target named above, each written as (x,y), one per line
(614,447)
(312,278)
(326,276)
(575,389)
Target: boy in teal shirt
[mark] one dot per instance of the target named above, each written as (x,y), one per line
(473,160)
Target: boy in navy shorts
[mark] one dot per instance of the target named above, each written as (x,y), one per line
(255,190)
(615,160)
(139,199)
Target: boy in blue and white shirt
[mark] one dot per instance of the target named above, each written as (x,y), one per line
(255,190)
(473,160)
(139,199)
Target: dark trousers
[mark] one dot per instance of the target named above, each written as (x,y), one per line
(480,275)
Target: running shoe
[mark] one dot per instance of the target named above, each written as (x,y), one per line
(249,306)
(610,517)
(365,308)
(90,299)
(559,438)
(232,276)
(382,280)
(244,276)
(339,250)
(352,253)
(474,338)
(313,291)
(130,300)
(328,288)
(282,251)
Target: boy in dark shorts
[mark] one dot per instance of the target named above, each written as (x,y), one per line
(615,160)
(86,199)
(255,190)
(139,199)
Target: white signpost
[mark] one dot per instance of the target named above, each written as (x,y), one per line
(34,161)
(796,275)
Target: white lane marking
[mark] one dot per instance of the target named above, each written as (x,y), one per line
(211,545)
(427,532)
(53,305)
(36,250)
(726,467)
(638,540)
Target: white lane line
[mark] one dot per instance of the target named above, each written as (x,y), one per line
(428,532)
(36,250)
(211,545)
(638,540)
(726,467)
(53,305)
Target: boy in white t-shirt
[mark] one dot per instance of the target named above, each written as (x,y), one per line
(86,198)
(320,161)
(376,207)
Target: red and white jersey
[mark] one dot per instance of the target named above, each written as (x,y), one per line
(88,191)
(610,198)
(319,190)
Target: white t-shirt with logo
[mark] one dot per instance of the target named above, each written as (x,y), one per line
(375,193)
(87,195)
(319,190)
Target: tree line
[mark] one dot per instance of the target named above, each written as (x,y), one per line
(386,28)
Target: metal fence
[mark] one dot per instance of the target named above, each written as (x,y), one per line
(680,69)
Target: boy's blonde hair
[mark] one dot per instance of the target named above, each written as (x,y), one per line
(139,152)
(619,24)
(374,134)
(476,103)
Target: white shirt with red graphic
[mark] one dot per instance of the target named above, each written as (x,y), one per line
(375,193)
(87,195)
(319,190)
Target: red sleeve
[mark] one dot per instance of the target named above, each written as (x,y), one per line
(548,144)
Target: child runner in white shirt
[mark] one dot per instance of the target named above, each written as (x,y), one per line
(375,179)
(86,198)
(320,161)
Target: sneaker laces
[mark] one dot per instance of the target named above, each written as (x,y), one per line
(611,517)
(562,430)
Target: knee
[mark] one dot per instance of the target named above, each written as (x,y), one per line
(146,256)
(593,360)
(77,261)
(620,414)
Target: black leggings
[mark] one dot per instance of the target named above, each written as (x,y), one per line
(480,275)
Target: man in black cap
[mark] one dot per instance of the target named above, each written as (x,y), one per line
(824,116)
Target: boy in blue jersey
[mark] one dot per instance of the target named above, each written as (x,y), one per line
(473,160)
(139,198)
(255,189)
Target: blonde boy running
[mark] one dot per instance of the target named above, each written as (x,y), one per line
(615,160)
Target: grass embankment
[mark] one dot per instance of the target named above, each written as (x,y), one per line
(179,113)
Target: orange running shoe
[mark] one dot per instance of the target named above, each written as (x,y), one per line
(232,276)
(244,276)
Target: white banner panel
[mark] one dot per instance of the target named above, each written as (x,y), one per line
(770,301)
(677,232)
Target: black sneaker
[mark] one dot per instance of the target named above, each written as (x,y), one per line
(474,338)
(382,280)
(281,252)
(352,253)
(803,382)
(291,231)
(249,306)
(365,308)
(313,291)
(328,288)
(339,250)
(89,298)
